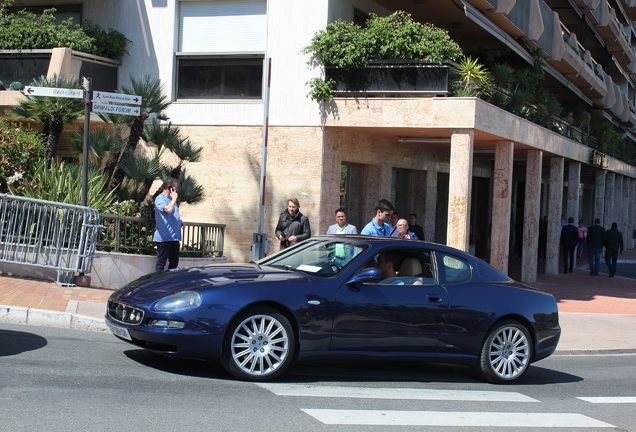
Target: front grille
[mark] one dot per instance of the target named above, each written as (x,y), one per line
(125,313)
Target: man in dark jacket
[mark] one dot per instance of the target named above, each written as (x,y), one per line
(293,226)
(569,240)
(595,240)
(414,227)
(613,243)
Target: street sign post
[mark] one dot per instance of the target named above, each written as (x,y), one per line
(100,96)
(54,92)
(116,109)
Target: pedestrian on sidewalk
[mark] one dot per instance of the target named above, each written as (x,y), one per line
(167,235)
(569,240)
(582,234)
(613,244)
(595,240)
(293,226)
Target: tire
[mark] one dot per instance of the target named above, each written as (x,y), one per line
(259,345)
(506,353)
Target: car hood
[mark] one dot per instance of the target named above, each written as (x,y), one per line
(157,285)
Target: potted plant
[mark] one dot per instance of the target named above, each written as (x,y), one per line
(391,54)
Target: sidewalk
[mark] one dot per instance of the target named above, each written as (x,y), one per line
(596,313)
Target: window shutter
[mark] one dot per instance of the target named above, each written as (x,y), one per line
(233,27)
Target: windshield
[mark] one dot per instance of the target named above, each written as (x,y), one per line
(319,257)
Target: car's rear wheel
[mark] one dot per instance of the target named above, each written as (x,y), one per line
(506,353)
(259,345)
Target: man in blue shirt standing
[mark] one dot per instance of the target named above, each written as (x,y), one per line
(379,226)
(168,233)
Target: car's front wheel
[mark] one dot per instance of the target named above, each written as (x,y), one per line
(259,345)
(506,353)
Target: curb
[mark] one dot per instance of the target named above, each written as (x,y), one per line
(46,318)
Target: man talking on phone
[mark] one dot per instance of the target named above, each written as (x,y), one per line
(168,232)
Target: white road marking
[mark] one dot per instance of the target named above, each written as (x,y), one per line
(392,393)
(610,399)
(454,418)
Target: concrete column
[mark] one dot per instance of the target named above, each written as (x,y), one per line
(501,206)
(61,63)
(574,189)
(631,220)
(608,214)
(625,211)
(554,215)
(618,203)
(430,206)
(531,217)
(599,196)
(460,185)
(626,207)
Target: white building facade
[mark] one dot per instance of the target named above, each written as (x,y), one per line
(478,177)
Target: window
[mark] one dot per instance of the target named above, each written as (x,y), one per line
(452,269)
(401,181)
(221,49)
(352,193)
(219,78)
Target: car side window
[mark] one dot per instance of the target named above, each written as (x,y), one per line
(414,268)
(452,269)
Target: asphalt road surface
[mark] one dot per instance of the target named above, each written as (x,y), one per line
(63,380)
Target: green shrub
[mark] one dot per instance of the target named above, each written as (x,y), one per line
(26,30)
(395,37)
(111,44)
(20,150)
(16,85)
(62,182)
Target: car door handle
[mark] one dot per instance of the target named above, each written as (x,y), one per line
(313,302)
(434,299)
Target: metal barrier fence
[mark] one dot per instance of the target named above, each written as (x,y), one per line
(48,234)
(134,235)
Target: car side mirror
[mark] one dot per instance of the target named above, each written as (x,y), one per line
(366,275)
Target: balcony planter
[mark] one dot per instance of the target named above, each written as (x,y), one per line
(26,65)
(392,78)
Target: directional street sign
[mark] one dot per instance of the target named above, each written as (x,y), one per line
(54,92)
(99,96)
(116,109)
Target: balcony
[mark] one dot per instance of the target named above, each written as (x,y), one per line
(392,78)
(611,31)
(629,6)
(574,62)
(25,65)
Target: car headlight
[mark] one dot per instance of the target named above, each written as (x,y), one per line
(178,302)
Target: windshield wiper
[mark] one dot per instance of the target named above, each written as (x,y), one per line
(283,266)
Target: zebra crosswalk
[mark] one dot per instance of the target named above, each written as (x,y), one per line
(392,417)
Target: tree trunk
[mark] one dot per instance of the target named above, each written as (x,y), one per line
(135,134)
(56,126)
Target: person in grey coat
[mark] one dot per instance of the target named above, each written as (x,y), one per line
(613,244)
(341,226)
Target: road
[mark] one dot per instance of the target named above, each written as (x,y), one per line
(61,380)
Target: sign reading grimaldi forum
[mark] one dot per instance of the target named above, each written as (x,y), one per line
(100,101)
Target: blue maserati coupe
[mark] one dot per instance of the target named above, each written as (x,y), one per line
(328,298)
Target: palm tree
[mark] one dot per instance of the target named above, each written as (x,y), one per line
(168,138)
(52,112)
(153,102)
